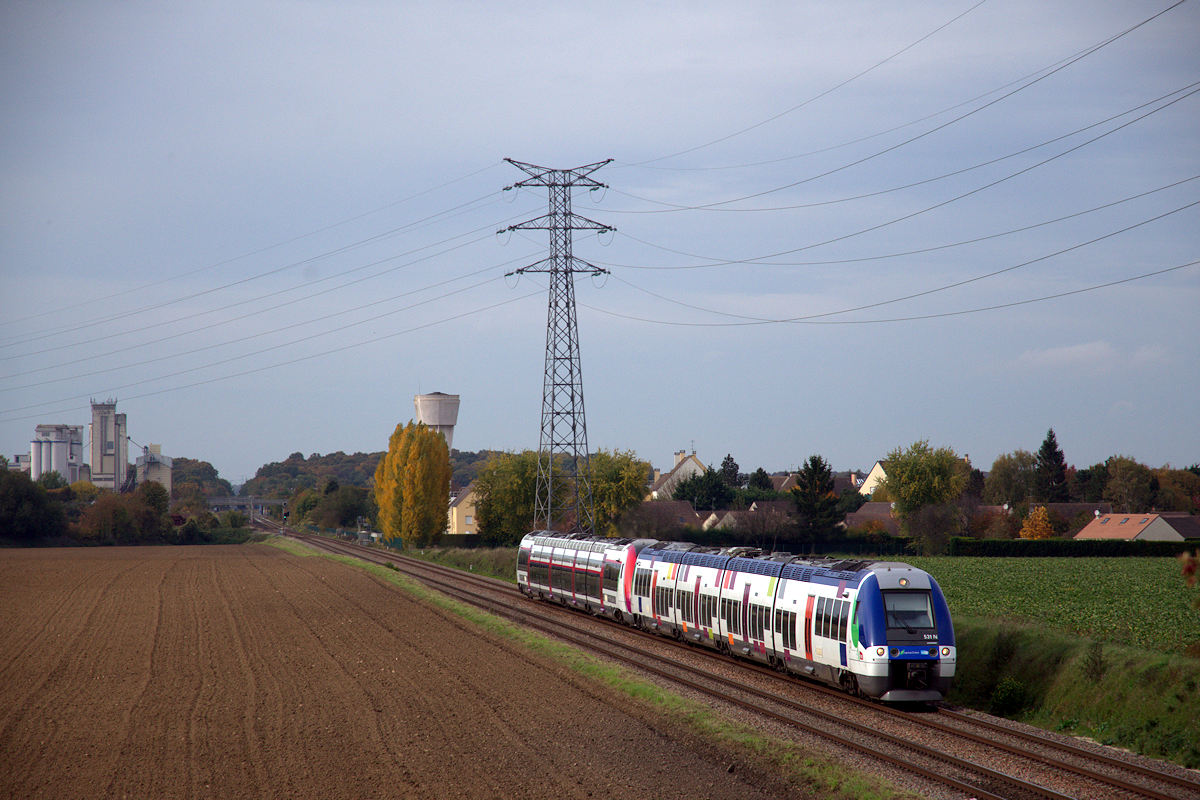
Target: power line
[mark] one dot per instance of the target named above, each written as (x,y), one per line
(912,318)
(927,209)
(256,252)
(816,97)
(671,208)
(902,253)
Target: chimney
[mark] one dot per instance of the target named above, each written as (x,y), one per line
(680,455)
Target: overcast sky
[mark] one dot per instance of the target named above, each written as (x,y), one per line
(840,228)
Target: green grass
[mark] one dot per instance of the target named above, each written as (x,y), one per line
(1140,602)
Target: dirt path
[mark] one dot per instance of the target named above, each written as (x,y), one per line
(250,672)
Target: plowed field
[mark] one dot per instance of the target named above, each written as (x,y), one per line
(228,672)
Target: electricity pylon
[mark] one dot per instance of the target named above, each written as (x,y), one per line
(564,493)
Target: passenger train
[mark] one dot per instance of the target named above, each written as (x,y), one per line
(877,628)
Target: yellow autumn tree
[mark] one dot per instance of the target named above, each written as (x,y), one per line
(412,485)
(1037,524)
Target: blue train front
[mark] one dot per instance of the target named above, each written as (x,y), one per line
(880,629)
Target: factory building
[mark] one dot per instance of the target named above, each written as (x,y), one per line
(152,465)
(110,446)
(57,448)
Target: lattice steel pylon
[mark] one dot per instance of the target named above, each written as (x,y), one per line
(564,493)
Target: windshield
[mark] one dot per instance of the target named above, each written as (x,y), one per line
(909,610)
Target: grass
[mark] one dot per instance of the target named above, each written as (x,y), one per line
(1141,602)
(813,774)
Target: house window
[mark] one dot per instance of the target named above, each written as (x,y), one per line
(468,522)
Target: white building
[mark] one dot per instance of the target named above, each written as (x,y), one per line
(56,448)
(438,411)
(110,446)
(152,465)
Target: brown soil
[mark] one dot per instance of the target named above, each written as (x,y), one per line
(249,672)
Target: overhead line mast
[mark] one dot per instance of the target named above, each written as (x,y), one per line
(563,499)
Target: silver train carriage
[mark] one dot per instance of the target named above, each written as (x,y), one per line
(877,628)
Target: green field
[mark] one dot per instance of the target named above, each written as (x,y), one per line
(1141,602)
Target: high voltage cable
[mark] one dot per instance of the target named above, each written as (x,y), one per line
(815,97)
(276,270)
(259,298)
(954,285)
(912,318)
(256,312)
(282,345)
(902,253)
(271,294)
(934,129)
(868,137)
(259,251)
(256,370)
(672,208)
(919,212)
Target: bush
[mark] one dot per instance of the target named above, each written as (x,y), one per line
(1070,548)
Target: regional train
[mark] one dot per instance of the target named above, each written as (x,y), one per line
(880,629)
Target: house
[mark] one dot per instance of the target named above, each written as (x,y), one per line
(686,466)
(461,518)
(877,515)
(877,474)
(783,483)
(1132,527)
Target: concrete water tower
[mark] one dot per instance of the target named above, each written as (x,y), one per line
(438,411)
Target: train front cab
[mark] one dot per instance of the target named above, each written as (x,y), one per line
(905,637)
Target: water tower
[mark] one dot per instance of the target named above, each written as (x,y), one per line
(438,411)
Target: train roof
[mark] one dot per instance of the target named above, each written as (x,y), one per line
(782,565)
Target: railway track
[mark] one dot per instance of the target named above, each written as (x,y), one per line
(1002,761)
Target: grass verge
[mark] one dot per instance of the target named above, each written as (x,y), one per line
(1116,694)
(812,773)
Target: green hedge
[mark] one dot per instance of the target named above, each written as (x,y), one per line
(1070,548)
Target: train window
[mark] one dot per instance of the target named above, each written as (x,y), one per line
(612,575)
(909,610)
(641,582)
(843,612)
(685,605)
(822,617)
(523,559)
(731,612)
(785,625)
(760,621)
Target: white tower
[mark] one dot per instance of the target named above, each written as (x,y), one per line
(438,411)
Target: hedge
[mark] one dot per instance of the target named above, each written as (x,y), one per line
(1072,548)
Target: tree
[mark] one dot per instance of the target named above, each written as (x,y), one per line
(816,503)
(760,480)
(412,485)
(618,481)
(1050,477)
(705,491)
(729,472)
(1011,480)
(922,476)
(505,490)
(154,494)
(1089,484)
(1129,486)
(26,511)
(52,480)
(1178,490)
(1037,525)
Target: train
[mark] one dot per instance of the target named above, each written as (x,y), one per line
(878,629)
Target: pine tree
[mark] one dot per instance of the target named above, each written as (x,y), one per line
(1050,478)
(729,472)
(816,504)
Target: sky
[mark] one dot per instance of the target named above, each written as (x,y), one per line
(840,228)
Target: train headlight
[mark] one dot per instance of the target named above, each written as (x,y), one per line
(933,651)
(945,652)
(879,651)
(895,652)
